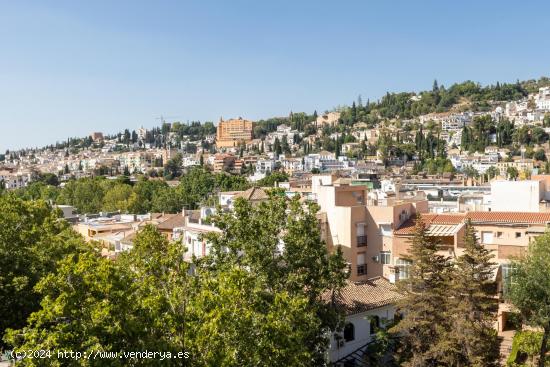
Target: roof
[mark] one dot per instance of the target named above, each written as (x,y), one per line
(358,297)
(253,194)
(509,217)
(172,222)
(439,224)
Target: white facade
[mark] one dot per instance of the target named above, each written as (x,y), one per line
(340,348)
(516,196)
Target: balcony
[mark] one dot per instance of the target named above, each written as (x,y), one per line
(361,241)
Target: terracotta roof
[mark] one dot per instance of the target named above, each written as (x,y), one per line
(253,194)
(434,220)
(172,222)
(509,217)
(357,297)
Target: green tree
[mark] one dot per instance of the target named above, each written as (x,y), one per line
(540,155)
(279,242)
(473,340)
(530,289)
(277,149)
(492,172)
(85,194)
(424,325)
(512,173)
(173,167)
(271,179)
(119,197)
(32,240)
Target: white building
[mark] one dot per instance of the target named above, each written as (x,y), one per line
(542,99)
(368,306)
(516,196)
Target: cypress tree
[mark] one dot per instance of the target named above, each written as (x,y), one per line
(473,306)
(424,303)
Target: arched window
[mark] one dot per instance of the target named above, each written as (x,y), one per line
(349,332)
(374,324)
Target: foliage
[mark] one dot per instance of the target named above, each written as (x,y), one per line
(273,178)
(32,240)
(425,304)
(473,340)
(530,288)
(119,197)
(231,311)
(85,194)
(173,167)
(525,347)
(253,238)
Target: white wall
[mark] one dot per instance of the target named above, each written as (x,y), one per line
(521,196)
(362,331)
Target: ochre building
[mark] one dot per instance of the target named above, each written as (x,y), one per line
(233,132)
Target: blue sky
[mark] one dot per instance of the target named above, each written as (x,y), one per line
(68,68)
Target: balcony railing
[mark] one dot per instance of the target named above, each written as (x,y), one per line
(361,241)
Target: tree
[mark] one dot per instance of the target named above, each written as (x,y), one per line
(85,194)
(512,173)
(540,155)
(472,305)
(32,240)
(119,197)
(225,314)
(272,179)
(277,149)
(492,172)
(424,305)
(530,289)
(173,167)
(278,241)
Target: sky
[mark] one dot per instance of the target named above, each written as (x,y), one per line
(68,68)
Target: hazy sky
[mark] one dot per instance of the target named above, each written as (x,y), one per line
(68,68)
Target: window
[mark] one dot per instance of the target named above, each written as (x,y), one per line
(374,324)
(518,234)
(506,278)
(486,237)
(403,265)
(498,235)
(361,235)
(361,266)
(385,257)
(385,229)
(349,332)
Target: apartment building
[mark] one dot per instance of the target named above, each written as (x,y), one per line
(505,234)
(362,222)
(231,133)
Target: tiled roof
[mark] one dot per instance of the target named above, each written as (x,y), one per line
(509,217)
(253,194)
(172,222)
(357,297)
(434,220)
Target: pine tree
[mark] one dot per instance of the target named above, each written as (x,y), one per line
(424,303)
(473,306)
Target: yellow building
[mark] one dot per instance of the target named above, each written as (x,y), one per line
(231,133)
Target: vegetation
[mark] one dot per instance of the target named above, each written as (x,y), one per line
(92,195)
(32,241)
(251,305)
(448,309)
(530,289)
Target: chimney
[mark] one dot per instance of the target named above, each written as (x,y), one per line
(394,274)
